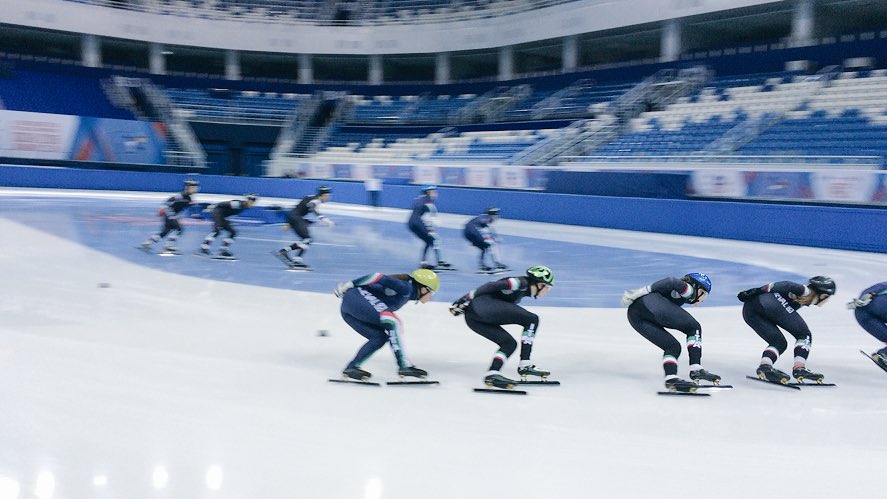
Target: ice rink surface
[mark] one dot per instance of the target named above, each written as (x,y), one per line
(126,375)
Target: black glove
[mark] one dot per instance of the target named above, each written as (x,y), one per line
(748,294)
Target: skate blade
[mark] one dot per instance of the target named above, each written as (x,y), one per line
(784,385)
(414,382)
(539,382)
(353,382)
(690,394)
(500,390)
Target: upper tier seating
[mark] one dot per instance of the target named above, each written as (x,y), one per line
(225,106)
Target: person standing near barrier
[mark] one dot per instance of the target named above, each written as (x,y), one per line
(870,310)
(296,220)
(422,223)
(775,305)
(171,212)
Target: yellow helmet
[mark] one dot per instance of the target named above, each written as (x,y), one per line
(426,278)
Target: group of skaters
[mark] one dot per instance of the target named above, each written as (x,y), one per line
(369,303)
(478,231)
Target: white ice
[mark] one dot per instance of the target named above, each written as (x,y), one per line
(167,386)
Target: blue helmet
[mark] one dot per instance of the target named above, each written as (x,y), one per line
(698,280)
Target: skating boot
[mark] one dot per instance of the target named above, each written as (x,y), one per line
(484,268)
(412,371)
(444,265)
(499,381)
(769,373)
(802,373)
(880,358)
(680,385)
(425,265)
(204,250)
(147,246)
(501,266)
(226,253)
(703,375)
(171,249)
(356,373)
(531,370)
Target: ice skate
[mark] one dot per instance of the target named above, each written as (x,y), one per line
(485,269)
(532,370)
(703,375)
(147,246)
(880,358)
(356,373)
(680,385)
(425,265)
(412,371)
(204,250)
(499,381)
(802,373)
(769,373)
(226,253)
(501,267)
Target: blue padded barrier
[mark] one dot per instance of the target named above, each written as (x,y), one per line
(807,225)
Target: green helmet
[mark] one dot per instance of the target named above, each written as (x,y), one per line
(426,278)
(541,273)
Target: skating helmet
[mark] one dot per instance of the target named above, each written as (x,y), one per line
(192,183)
(822,285)
(493,211)
(324,189)
(540,273)
(427,278)
(251,198)
(426,188)
(700,281)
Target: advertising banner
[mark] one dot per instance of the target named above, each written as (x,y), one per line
(62,137)
(832,186)
(36,135)
(719,183)
(846,186)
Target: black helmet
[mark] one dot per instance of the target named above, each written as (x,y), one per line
(324,189)
(251,197)
(822,285)
(493,211)
(191,183)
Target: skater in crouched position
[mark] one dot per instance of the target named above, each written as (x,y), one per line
(775,305)
(368,306)
(656,307)
(870,310)
(221,212)
(480,233)
(297,221)
(171,212)
(422,223)
(495,303)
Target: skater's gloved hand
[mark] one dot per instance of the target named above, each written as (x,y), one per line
(629,297)
(458,307)
(860,302)
(748,294)
(342,288)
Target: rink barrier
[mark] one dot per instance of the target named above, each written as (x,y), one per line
(846,228)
